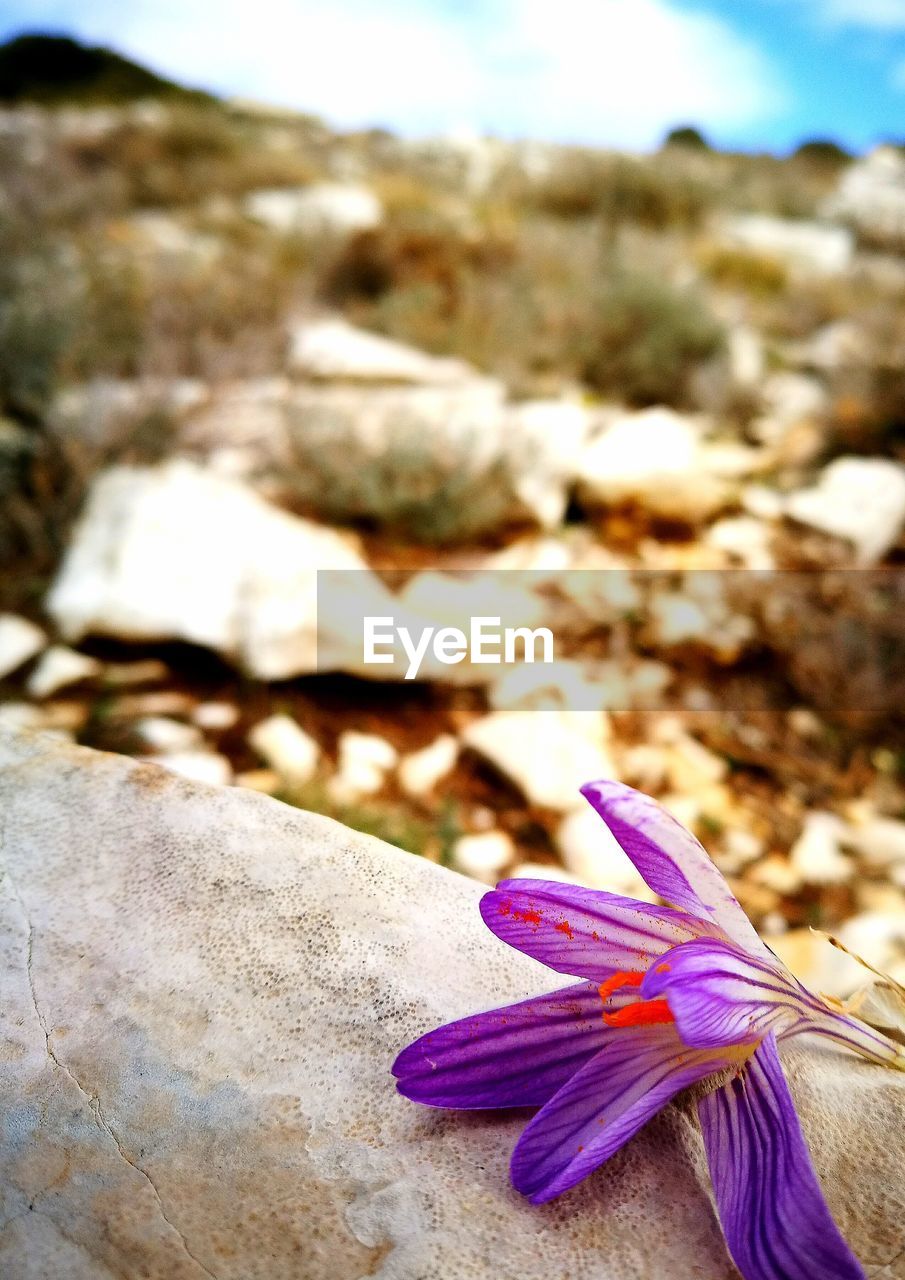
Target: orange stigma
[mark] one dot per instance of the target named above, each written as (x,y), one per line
(642,1013)
(617,981)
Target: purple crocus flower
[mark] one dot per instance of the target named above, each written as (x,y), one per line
(670,997)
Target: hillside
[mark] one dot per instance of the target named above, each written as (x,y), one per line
(57,69)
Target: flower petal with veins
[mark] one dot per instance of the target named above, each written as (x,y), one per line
(584,932)
(772,1211)
(670,860)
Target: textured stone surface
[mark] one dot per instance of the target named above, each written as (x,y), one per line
(203,991)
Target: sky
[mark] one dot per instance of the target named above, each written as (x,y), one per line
(752,74)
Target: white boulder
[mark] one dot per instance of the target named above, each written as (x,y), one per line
(365,759)
(547,753)
(791,401)
(658,459)
(60,666)
(745,540)
(323,208)
(879,841)
(871,197)
(215,716)
(161,733)
(20,640)
(484,856)
(203,994)
(282,743)
(861,500)
(176,552)
(817,854)
(420,771)
(814,248)
(208,767)
(334,350)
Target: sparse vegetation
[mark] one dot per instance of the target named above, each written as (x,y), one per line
(646,340)
(686,135)
(54,69)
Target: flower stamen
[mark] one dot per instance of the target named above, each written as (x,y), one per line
(640,1013)
(643,1013)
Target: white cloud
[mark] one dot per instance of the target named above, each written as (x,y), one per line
(586,70)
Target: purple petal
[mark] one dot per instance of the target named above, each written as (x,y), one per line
(774,1217)
(638,1070)
(583,932)
(721,995)
(671,861)
(517,1056)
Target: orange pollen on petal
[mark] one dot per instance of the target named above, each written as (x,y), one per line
(643,1013)
(566,928)
(618,980)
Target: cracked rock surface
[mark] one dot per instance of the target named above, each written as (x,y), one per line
(202,993)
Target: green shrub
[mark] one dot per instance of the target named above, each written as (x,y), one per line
(618,189)
(645,341)
(688,136)
(35,321)
(822,151)
(756,274)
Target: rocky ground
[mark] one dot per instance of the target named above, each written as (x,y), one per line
(291,351)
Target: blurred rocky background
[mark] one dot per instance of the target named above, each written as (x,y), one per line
(238,346)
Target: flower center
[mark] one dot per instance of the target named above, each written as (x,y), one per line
(641,1013)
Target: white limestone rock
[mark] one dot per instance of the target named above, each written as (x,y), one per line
(792,424)
(700,613)
(203,993)
(547,753)
(871,197)
(196,766)
(365,760)
(215,716)
(811,248)
(879,841)
(322,208)
(745,540)
(161,733)
(175,552)
(817,854)
(484,856)
(420,771)
(334,350)
(861,500)
(58,667)
(282,743)
(20,641)
(660,460)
